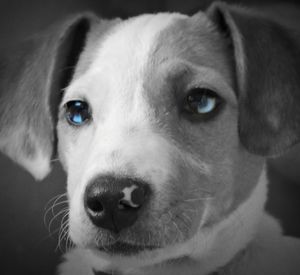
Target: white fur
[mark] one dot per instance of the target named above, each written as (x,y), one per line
(125,106)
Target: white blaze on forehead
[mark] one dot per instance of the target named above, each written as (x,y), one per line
(131,42)
(114,88)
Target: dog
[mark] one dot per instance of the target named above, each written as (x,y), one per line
(163,124)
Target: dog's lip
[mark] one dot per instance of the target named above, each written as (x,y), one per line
(123,248)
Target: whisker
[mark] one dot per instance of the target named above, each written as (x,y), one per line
(63,211)
(53,206)
(63,236)
(63,231)
(69,243)
(189,159)
(177,229)
(198,190)
(55,201)
(55,198)
(197,199)
(187,217)
(52,210)
(59,201)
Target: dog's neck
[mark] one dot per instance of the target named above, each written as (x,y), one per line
(226,239)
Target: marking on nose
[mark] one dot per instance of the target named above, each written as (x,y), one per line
(127,191)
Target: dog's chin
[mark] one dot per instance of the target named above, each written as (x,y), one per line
(122,256)
(125,249)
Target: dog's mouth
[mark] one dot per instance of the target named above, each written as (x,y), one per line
(122,248)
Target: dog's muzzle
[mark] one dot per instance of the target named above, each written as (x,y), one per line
(114,203)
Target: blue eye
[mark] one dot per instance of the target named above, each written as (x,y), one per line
(201,101)
(77,112)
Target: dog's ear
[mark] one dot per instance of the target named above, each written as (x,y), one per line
(32,77)
(267,59)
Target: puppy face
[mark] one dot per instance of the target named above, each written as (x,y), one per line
(136,83)
(180,112)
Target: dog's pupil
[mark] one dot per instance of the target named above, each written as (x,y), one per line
(77,112)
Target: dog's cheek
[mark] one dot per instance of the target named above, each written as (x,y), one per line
(65,140)
(73,149)
(179,202)
(80,230)
(74,146)
(69,156)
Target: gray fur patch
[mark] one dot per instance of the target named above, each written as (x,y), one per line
(234,172)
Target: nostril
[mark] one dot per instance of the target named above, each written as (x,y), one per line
(94,205)
(139,195)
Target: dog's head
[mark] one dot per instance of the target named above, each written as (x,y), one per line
(162,124)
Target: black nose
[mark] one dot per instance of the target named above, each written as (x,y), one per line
(113,203)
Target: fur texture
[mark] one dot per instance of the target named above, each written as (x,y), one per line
(206,211)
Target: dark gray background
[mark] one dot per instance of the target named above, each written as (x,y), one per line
(26,246)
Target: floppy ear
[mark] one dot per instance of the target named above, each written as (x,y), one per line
(32,77)
(267,58)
